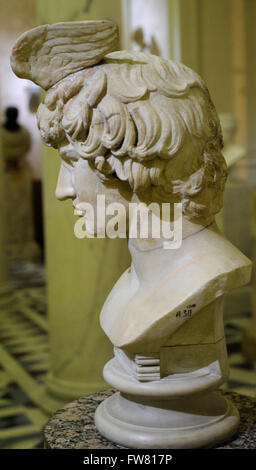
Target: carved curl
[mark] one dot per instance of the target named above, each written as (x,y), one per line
(147,121)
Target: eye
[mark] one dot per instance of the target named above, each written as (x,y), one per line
(68,155)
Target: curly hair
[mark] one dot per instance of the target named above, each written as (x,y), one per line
(145,120)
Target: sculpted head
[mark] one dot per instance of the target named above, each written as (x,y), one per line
(136,124)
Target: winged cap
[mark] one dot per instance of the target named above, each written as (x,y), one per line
(48,53)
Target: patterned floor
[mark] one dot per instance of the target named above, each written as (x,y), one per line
(24,361)
(242,375)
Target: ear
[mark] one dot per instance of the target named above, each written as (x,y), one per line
(48,53)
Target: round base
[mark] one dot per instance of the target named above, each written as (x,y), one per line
(188,423)
(172,386)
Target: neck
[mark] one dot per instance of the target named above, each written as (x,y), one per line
(151,258)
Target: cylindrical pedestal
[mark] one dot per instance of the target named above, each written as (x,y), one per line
(186,423)
(72,427)
(180,411)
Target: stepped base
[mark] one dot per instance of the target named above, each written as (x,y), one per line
(187,423)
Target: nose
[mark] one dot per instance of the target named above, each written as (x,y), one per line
(64,188)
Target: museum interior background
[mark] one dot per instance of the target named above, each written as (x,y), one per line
(52,285)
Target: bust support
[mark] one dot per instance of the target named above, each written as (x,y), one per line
(176,387)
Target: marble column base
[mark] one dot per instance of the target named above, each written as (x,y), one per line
(192,422)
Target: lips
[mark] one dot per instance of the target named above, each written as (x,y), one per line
(79,209)
(79,213)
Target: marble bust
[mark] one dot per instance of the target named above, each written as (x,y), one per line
(139,128)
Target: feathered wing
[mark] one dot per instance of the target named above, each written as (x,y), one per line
(48,53)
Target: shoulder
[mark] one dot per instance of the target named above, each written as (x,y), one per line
(217,256)
(208,267)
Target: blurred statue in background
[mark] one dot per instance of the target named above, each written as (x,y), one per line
(18,189)
(16,140)
(141,45)
(138,128)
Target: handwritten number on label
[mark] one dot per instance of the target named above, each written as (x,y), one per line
(187,312)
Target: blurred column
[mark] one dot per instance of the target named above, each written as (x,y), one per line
(80,273)
(184,32)
(6,293)
(169,28)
